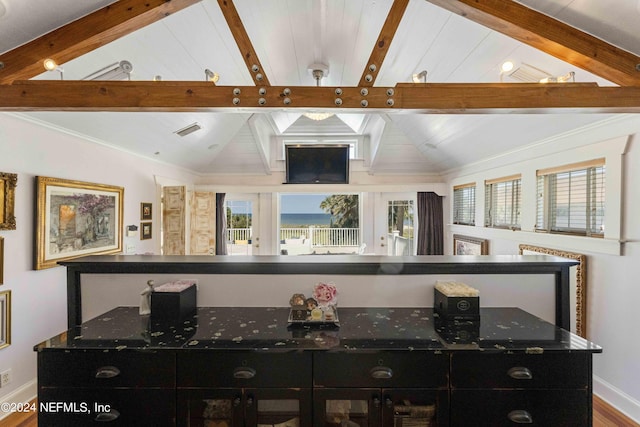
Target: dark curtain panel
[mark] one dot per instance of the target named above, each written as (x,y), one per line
(431,227)
(221,225)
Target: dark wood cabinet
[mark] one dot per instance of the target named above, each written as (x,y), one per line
(244,388)
(91,387)
(231,407)
(535,388)
(383,367)
(384,388)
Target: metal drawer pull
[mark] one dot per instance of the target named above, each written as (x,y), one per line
(107,372)
(520,416)
(244,373)
(381,373)
(520,373)
(106,417)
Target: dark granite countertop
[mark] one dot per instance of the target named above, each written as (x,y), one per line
(267,329)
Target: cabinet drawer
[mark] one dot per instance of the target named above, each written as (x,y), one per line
(106,369)
(244,369)
(565,408)
(383,369)
(548,370)
(73,407)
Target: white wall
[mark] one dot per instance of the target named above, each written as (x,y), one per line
(613,263)
(39,297)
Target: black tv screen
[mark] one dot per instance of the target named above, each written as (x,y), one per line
(315,164)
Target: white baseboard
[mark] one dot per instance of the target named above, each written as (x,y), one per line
(617,398)
(23,394)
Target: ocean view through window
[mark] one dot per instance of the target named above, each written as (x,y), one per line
(319,224)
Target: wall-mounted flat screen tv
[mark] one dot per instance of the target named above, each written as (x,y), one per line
(317,164)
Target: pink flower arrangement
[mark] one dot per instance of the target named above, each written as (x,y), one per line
(325,293)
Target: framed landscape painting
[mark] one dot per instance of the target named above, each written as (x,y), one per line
(75,219)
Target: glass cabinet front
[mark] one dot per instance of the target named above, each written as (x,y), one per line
(375,407)
(248,407)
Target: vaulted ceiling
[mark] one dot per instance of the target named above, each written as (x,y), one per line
(468,110)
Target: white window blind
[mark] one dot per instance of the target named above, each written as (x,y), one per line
(503,199)
(572,200)
(464,204)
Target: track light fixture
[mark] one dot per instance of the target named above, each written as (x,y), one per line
(420,77)
(51,65)
(210,76)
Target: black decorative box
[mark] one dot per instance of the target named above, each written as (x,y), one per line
(458,331)
(456,307)
(174,300)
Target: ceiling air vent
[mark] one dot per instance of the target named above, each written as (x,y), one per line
(528,74)
(189,129)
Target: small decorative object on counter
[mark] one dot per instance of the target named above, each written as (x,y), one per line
(317,310)
(174,300)
(145,298)
(456,301)
(298,307)
(325,294)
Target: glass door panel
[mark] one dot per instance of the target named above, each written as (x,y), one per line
(210,407)
(415,408)
(400,227)
(242,234)
(347,407)
(278,407)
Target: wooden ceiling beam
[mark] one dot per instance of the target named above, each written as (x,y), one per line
(551,36)
(84,35)
(432,98)
(244,43)
(383,42)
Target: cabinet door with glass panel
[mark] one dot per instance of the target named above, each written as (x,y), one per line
(380,407)
(245,407)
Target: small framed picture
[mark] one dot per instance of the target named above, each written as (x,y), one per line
(5,318)
(145,211)
(146,230)
(465,245)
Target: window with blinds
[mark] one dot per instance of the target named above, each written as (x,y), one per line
(503,199)
(571,199)
(464,204)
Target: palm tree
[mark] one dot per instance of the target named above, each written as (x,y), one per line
(343,209)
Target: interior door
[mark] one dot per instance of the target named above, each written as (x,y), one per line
(203,223)
(173,220)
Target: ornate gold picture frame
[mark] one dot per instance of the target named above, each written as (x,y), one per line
(578,282)
(465,245)
(75,219)
(1,260)
(8,183)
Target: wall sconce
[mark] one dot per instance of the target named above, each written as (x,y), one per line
(116,71)
(420,77)
(51,65)
(210,76)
